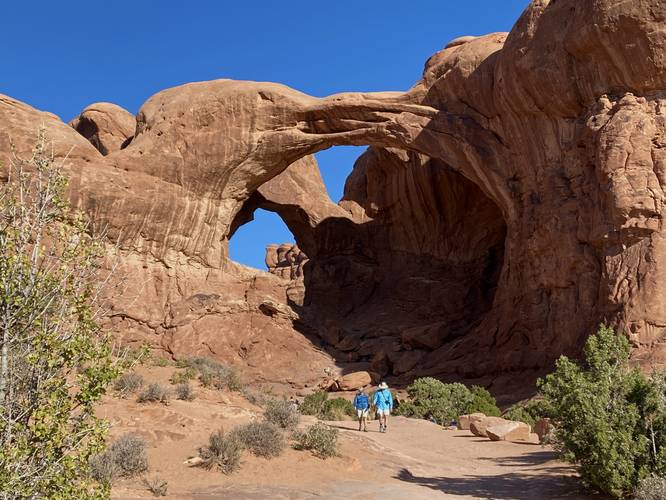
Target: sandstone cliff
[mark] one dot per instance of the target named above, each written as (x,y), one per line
(510,201)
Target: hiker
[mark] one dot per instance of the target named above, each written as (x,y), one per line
(362,405)
(384,403)
(295,403)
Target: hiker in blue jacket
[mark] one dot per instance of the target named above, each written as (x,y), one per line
(384,403)
(362,405)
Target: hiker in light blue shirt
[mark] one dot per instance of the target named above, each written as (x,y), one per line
(383,401)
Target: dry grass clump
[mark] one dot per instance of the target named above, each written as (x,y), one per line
(125,457)
(254,397)
(262,439)
(321,439)
(184,392)
(154,393)
(282,413)
(651,488)
(128,383)
(157,486)
(214,374)
(103,468)
(222,451)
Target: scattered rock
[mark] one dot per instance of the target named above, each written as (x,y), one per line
(464,421)
(355,380)
(510,431)
(479,427)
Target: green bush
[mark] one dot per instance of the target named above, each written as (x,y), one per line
(56,361)
(321,439)
(337,409)
(482,402)
(432,399)
(183,376)
(281,413)
(262,439)
(609,420)
(313,404)
(222,451)
(530,412)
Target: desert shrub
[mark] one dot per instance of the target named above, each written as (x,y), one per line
(157,486)
(281,413)
(651,488)
(254,397)
(50,281)
(129,455)
(128,383)
(482,402)
(337,409)
(161,362)
(103,468)
(321,439)
(214,374)
(432,399)
(609,420)
(184,392)
(154,393)
(182,376)
(125,457)
(313,404)
(262,439)
(222,451)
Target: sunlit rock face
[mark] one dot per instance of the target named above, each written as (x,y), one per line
(509,202)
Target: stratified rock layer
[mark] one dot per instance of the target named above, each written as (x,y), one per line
(509,202)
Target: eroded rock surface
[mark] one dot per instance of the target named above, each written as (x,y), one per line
(107,126)
(508,203)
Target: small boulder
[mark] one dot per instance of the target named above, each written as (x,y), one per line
(354,380)
(479,427)
(464,421)
(510,431)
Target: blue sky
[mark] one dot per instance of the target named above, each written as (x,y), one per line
(62,56)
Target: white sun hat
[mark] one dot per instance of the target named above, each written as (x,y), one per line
(383,385)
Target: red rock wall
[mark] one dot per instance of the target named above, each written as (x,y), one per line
(549,139)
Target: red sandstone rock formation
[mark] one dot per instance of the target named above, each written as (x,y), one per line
(107,126)
(509,202)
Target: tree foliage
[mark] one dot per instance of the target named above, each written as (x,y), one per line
(432,399)
(55,364)
(610,419)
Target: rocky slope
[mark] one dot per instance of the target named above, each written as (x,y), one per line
(510,201)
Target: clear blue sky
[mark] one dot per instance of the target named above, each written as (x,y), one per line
(62,56)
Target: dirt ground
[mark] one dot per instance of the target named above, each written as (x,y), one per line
(414,459)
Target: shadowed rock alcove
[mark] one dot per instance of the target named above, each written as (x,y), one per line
(408,266)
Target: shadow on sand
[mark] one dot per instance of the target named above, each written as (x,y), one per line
(554,481)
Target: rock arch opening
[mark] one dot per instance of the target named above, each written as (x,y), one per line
(249,242)
(398,272)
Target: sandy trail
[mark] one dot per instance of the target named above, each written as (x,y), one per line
(416,459)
